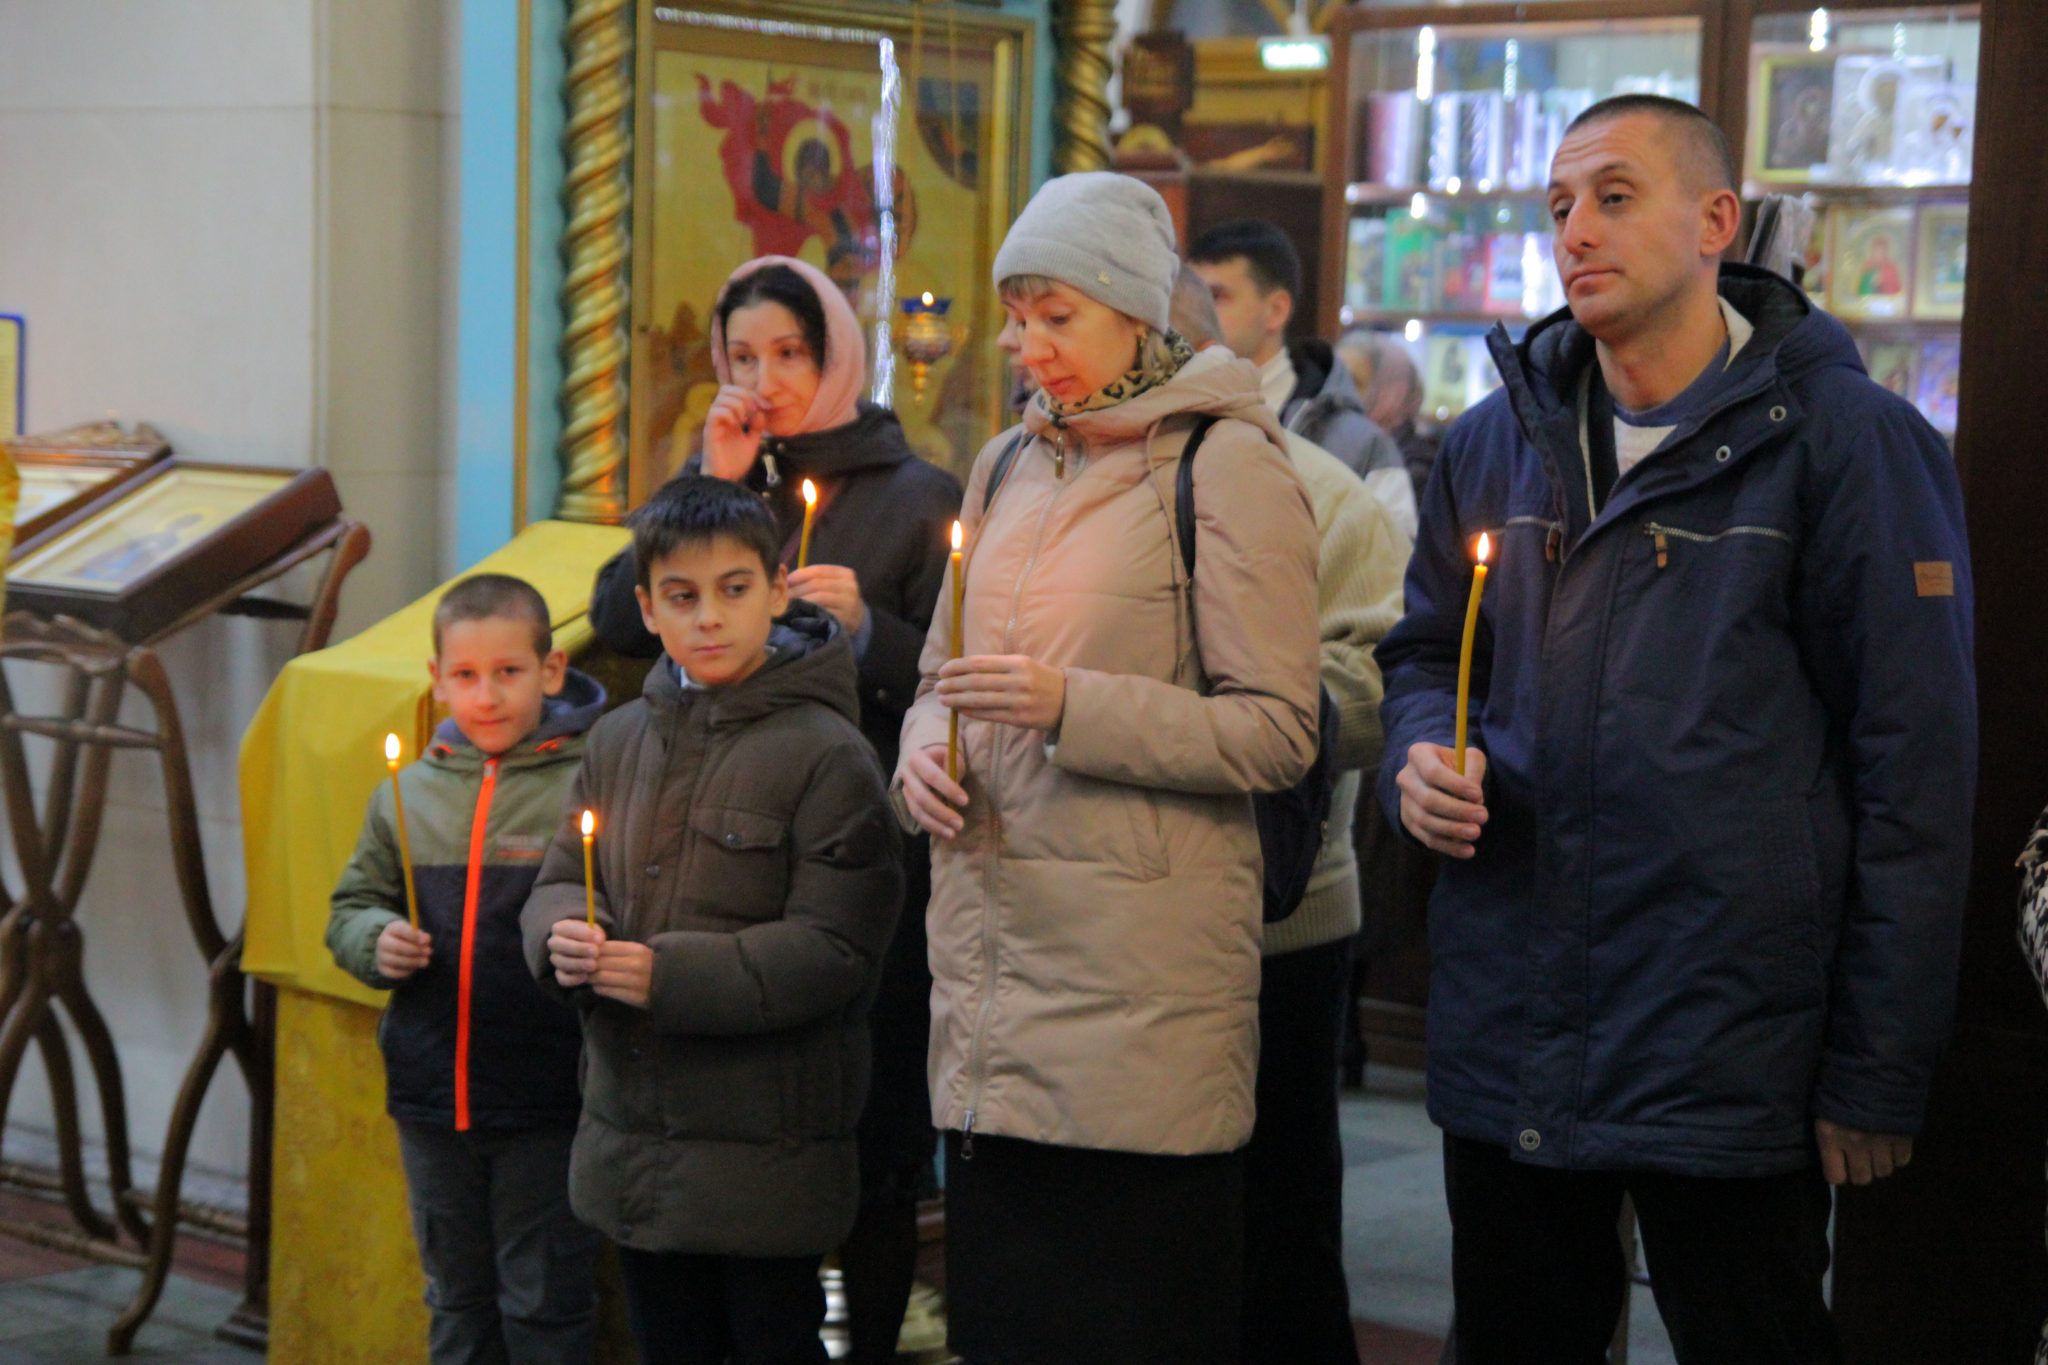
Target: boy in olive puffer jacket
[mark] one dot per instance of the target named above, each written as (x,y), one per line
(480,1064)
(747,884)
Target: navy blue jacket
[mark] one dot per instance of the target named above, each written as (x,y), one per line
(1730,725)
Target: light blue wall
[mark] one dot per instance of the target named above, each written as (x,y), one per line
(486,362)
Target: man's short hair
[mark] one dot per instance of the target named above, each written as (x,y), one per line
(695,509)
(489,596)
(1271,258)
(1704,157)
(1194,309)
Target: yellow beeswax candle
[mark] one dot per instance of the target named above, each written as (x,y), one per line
(1465,651)
(412,899)
(803,546)
(589,882)
(953,717)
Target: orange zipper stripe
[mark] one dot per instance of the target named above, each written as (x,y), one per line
(472,893)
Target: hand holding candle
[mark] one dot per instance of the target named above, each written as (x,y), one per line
(589,881)
(953,717)
(803,546)
(412,899)
(1465,652)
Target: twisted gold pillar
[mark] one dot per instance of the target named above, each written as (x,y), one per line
(1083,31)
(597,195)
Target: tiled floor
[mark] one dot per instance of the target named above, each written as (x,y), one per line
(1397,1244)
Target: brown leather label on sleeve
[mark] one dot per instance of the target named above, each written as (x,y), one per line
(1935,578)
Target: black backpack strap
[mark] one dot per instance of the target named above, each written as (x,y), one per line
(1001,470)
(1184,492)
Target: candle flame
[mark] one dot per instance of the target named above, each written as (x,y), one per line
(589,823)
(391,748)
(810,493)
(928,300)
(956,537)
(1485,547)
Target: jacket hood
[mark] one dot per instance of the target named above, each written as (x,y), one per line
(843,369)
(1793,340)
(812,662)
(874,439)
(1319,378)
(1214,382)
(570,712)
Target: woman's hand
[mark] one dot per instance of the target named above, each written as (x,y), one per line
(573,948)
(834,588)
(1008,689)
(934,800)
(732,432)
(625,972)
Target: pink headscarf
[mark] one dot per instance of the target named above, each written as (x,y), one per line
(846,352)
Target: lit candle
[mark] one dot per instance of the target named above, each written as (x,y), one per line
(589,882)
(953,718)
(1465,652)
(803,547)
(412,899)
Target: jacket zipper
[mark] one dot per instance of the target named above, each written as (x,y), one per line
(472,892)
(1661,536)
(977,1044)
(1553,541)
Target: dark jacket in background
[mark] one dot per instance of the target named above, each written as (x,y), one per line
(1418,451)
(748,842)
(478,827)
(1730,728)
(1325,408)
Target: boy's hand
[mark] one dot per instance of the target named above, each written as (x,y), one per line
(1849,1156)
(573,948)
(933,799)
(402,950)
(625,972)
(1439,807)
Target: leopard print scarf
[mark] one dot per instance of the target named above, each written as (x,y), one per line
(1160,356)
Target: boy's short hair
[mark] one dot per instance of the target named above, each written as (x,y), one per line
(694,509)
(483,596)
(1268,254)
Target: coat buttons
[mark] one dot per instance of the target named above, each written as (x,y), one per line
(1778,413)
(1530,1139)
(653,871)
(732,840)
(1723,454)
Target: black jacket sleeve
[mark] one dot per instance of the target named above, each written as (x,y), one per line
(615,611)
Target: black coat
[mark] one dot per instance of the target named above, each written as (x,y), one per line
(887,515)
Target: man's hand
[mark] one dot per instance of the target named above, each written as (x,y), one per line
(1007,689)
(1442,809)
(833,587)
(934,799)
(1849,1156)
(402,950)
(573,948)
(625,972)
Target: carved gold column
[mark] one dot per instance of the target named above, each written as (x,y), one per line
(1083,31)
(597,196)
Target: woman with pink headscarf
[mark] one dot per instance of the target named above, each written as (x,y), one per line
(791,363)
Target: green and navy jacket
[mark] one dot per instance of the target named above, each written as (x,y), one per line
(470,1040)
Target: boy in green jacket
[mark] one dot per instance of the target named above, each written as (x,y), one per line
(480,1064)
(747,883)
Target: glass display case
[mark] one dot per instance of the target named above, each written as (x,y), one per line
(1868,114)
(1443,124)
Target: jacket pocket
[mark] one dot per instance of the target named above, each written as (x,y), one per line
(1791,895)
(741,866)
(1148,837)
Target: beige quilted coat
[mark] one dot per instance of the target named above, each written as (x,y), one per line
(1095,928)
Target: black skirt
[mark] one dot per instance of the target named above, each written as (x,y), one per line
(1067,1256)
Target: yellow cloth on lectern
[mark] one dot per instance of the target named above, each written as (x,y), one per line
(315,751)
(10,498)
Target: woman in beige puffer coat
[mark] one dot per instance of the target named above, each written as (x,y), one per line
(1095,917)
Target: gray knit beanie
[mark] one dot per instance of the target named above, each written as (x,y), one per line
(1106,235)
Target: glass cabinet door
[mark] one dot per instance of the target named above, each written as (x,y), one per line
(1451,128)
(1869,116)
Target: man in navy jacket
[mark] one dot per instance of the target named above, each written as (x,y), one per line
(1695,938)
